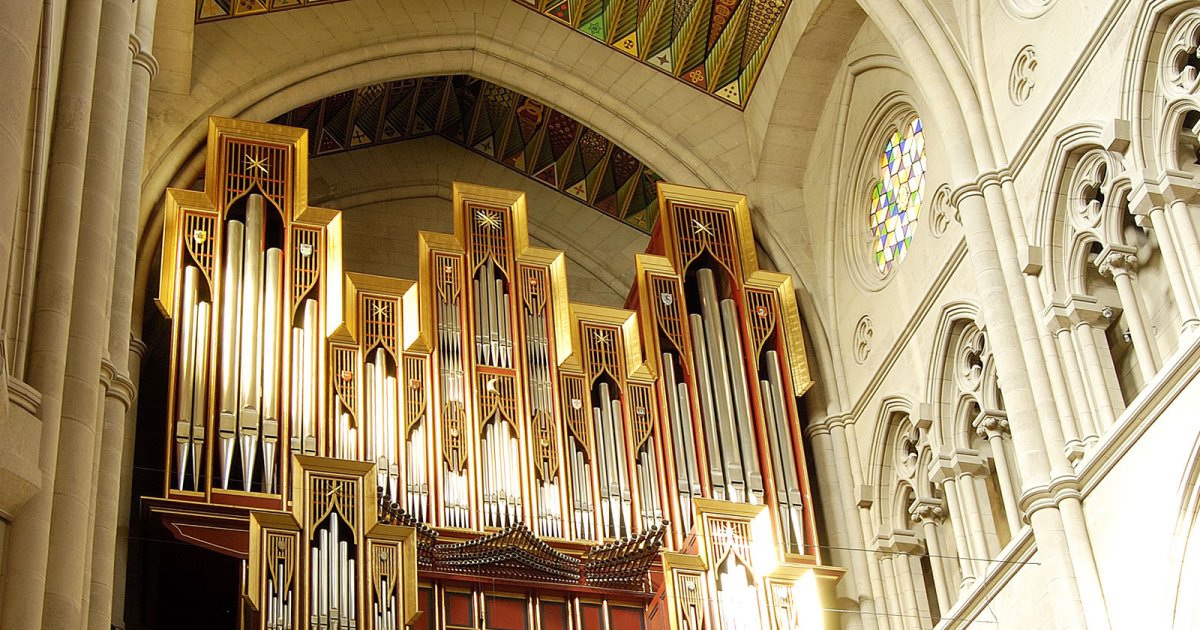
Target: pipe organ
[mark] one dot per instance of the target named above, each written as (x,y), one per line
(471,449)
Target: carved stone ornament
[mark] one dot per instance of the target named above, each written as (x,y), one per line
(1021,77)
(863,332)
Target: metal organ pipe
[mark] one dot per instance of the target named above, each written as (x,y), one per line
(249,387)
(193,379)
(716,469)
(787,478)
(615,498)
(455,507)
(231,317)
(678,411)
(718,366)
(743,420)
(270,367)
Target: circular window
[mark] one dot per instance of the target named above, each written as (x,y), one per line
(896,196)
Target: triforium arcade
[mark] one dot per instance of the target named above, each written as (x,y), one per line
(471,449)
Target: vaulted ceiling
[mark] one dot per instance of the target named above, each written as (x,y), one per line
(496,122)
(716,46)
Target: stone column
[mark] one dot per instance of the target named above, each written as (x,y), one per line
(930,514)
(898,548)
(858,516)
(28,538)
(1147,202)
(1120,262)
(73,519)
(941,471)
(137,350)
(883,555)
(840,534)
(119,398)
(1086,315)
(18,50)
(1037,435)
(966,467)
(992,425)
(1059,323)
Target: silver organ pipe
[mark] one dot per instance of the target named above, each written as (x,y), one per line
(454,495)
(687,483)
(231,328)
(391,421)
(193,380)
(270,367)
(249,386)
(382,412)
(279,600)
(306,348)
(712,439)
(581,492)
(541,406)
(718,370)
(787,478)
(615,496)
(333,602)
(418,483)
(493,329)
(647,473)
(743,420)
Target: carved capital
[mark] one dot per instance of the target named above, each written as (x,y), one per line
(927,511)
(991,423)
(1116,260)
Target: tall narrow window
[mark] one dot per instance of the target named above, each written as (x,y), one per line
(896,196)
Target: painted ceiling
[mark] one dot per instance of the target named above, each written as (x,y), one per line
(508,127)
(716,46)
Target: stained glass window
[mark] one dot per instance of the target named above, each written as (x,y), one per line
(896,197)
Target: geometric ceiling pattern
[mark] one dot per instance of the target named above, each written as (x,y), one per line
(717,46)
(496,122)
(213,10)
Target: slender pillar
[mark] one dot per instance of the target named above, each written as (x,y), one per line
(1059,323)
(1085,314)
(18,48)
(930,514)
(29,539)
(886,569)
(834,497)
(1120,263)
(1022,368)
(902,565)
(113,506)
(993,426)
(858,512)
(137,351)
(966,466)
(73,518)
(941,471)
(1147,201)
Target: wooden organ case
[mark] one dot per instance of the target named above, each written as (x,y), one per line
(471,449)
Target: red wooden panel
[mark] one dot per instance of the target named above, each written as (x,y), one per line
(460,609)
(425,604)
(625,618)
(554,615)
(590,616)
(507,613)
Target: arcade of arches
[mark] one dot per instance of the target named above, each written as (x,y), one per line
(985,212)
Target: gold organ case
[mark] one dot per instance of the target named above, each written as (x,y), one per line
(471,449)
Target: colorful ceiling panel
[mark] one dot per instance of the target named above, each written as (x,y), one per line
(213,10)
(496,122)
(718,46)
